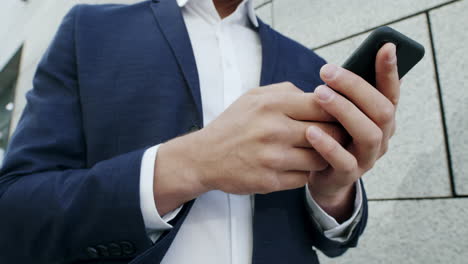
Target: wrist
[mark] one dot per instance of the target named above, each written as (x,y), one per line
(177,174)
(338,204)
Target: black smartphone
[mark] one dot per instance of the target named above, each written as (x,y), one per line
(362,61)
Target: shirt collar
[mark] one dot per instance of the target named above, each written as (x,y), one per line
(249,7)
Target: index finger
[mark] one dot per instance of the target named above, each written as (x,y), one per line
(294,102)
(333,129)
(304,107)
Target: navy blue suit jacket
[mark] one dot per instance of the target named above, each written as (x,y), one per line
(115,81)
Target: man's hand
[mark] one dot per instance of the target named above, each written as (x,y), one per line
(258,145)
(368,114)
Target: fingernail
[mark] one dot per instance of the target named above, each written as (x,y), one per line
(392,54)
(324,93)
(314,133)
(328,71)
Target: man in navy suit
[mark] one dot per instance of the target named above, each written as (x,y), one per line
(190,131)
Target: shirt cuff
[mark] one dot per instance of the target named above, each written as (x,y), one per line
(330,227)
(155,224)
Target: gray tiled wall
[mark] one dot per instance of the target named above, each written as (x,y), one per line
(315,23)
(450,27)
(412,232)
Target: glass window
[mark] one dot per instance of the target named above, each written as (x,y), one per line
(8,77)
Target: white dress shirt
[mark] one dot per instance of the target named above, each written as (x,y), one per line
(218,228)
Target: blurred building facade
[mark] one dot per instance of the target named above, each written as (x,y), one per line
(419,190)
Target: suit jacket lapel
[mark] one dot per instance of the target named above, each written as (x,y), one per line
(269,53)
(172,25)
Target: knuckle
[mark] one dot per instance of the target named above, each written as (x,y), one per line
(268,103)
(394,127)
(387,114)
(368,165)
(394,100)
(271,133)
(253,100)
(374,139)
(377,140)
(269,183)
(255,90)
(268,137)
(289,85)
(260,103)
(274,101)
(329,149)
(384,149)
(271,160)
(299,181)
(350,167)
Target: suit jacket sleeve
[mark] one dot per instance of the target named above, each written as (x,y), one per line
(53,207)
(333,248)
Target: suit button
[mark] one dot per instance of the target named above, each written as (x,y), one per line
(92,252)
(103,250)
(127,248)
(115,250)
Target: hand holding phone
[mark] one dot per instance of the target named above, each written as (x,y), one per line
(367,114)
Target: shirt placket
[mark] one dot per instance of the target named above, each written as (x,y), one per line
(232,89)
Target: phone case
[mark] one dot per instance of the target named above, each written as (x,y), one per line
(362,61)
